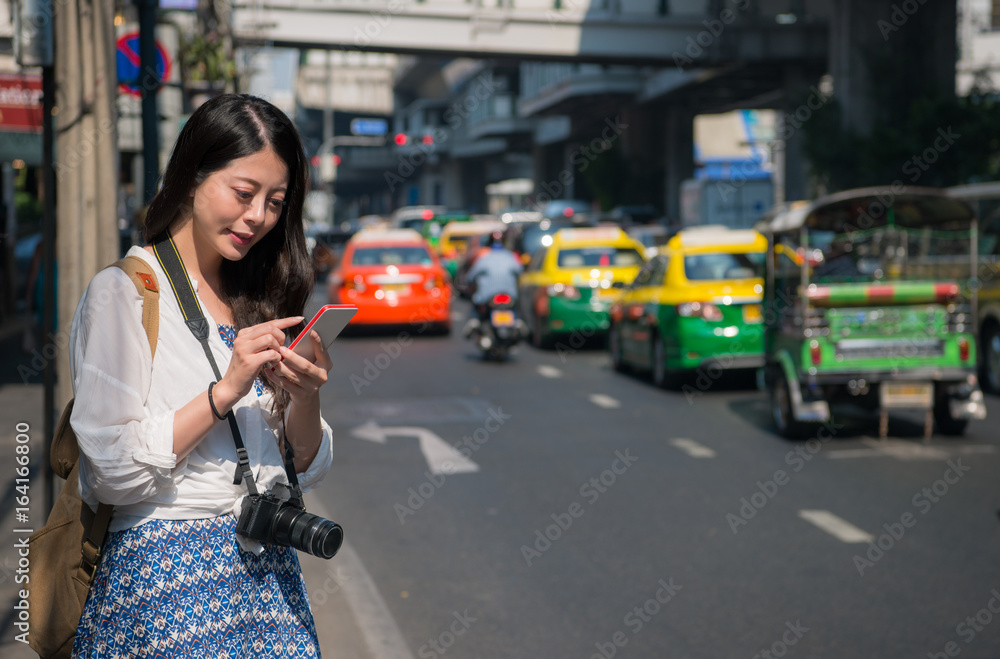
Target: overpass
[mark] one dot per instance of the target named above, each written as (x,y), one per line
(658,62)
(699,33)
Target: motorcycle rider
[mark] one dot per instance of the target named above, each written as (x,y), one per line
(493,273)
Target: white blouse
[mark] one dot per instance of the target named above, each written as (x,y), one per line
(124,411)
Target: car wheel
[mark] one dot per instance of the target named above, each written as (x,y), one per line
(615,347)
(662,377)
(539,337)
(781,409)
(945,423)
(991,358)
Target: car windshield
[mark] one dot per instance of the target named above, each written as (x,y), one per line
(723,265)
(889,253)
(415,223)
(534,236)
(651,238)
(566,208)
(601,257)
(399,255)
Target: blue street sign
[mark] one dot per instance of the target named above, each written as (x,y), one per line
(127,59)
(370,127)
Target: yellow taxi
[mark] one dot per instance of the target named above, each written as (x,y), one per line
(570,283)
(458,237)
(696,304)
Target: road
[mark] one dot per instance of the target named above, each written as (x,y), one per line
(595,516)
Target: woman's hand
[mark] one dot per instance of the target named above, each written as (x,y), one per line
(254,349)
(299,376)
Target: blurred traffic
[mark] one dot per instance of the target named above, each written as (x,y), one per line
(899,315)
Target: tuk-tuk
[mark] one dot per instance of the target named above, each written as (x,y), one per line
(867,300)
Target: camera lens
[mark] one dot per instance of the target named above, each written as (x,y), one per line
(307,532)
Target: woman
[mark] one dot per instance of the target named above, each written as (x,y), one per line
(175,579)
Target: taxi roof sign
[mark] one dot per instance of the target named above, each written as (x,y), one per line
(382,235)
(590,234)
(706,236)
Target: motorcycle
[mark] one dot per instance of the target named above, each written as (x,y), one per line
(498,328)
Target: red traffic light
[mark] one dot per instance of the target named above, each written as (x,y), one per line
(400,139)
(428,139)
(316,161)
(427,214)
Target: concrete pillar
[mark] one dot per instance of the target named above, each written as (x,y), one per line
(910,45)
(791,175)
(679,150)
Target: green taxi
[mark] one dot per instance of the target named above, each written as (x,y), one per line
(571,282)
(696,304)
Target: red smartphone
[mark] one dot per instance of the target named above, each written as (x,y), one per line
(329,322)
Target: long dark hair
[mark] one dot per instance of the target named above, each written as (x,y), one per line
(275,278)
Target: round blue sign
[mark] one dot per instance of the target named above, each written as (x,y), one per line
(127,58)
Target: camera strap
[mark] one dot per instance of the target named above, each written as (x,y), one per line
(170,260)
(293,478)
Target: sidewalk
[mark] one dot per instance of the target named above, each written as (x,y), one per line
(21,402)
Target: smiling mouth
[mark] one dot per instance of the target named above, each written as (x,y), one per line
(241,238)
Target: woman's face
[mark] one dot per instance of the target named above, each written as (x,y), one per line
(235,207)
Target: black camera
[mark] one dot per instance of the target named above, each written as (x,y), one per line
(277,517)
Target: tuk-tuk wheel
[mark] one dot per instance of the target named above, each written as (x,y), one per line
(947,424)
(781,409)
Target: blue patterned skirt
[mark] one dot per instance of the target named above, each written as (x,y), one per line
(186,589)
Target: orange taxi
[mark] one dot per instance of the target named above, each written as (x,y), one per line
(393,277)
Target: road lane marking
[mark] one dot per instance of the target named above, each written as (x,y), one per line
(442,457)
(977,448)
(906,450)
(380,631)
(835,526)
(549,371)
(692,448)
(854,453)
(607,402)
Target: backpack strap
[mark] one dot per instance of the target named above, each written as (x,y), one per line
(95,528)
(65,451)
(145,283)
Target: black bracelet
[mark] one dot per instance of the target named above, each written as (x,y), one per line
(215,410)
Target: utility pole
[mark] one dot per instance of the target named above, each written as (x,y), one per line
(327,165)
(149,83)
(34,45)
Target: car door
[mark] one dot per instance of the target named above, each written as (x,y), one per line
(635,343)
(528,284)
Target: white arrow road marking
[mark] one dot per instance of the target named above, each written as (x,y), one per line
(549,371)
(692,448)
(606,402)
(442,457)
(838,528)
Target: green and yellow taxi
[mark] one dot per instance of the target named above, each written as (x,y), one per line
(432,228)
(695,304)
(571,282)
(458,238)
